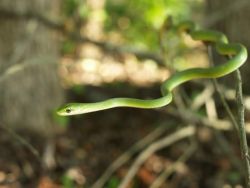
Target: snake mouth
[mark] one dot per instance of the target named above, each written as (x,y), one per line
(70,109)
(65,110)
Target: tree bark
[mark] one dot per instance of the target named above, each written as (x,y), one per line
(29,84)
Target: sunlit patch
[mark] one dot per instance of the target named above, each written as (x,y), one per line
(89,65)
(109,69)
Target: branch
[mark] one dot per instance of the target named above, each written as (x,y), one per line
(164,142)
(221,94)
(25,143)
(240,125)
(128,155)
(242,131)
(169,170)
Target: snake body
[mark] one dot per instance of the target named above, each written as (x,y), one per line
(236,52)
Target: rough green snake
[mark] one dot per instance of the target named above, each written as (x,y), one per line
(236,53)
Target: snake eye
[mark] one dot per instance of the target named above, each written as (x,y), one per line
(68,110)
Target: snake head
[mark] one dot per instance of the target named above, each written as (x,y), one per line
(69,109)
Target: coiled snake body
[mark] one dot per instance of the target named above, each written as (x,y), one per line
(236,52)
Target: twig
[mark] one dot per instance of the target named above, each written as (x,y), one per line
(169,170)
(16,68)
(17,55)
(221,139)
(240,126)
(242,131)
(224,103)
(202,97)
(128,154)
(192,117)
(227,149)
(33,150)
(178,135)
(221,95)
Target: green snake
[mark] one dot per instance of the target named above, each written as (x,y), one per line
(236,53)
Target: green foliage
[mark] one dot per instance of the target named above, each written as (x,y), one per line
(70,6)
(113,182)
(67,182)
(234,177)
(139,20)
(68,47)
(78,89)
(60,120)
(75,7)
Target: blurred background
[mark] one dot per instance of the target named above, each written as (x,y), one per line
(53,52)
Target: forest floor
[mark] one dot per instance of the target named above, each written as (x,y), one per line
(90,143)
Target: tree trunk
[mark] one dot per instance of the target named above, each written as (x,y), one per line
(29,85)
